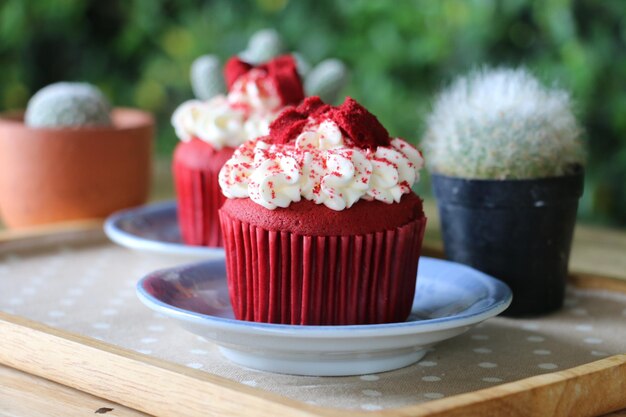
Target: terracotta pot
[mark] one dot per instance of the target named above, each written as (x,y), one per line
(53,175)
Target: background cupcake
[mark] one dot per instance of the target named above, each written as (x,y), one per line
(321,225)
(210,131)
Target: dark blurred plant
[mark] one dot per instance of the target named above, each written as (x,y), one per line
(400,53)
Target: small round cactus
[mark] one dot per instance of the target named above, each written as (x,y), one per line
(326,80)
(502,124)
(68,104)
(263,46)
(207,80)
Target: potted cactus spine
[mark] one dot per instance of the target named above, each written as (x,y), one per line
(506,161)
(71,156)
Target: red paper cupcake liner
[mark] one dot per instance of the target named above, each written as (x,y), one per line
(281,277)
(199,198)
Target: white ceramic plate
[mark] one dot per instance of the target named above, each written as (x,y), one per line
(449,299)
(154,228)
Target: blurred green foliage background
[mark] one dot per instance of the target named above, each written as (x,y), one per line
(400,52)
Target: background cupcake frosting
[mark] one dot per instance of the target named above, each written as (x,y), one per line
(229,120)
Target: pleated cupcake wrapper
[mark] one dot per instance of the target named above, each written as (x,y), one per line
(199,199)
(281,277)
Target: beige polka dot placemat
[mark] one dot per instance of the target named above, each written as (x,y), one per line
(89,289)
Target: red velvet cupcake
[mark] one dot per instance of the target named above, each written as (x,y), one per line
(210,131)
(320,225)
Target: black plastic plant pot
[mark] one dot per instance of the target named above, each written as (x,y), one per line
(519,231)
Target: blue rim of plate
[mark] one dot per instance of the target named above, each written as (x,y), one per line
(113,228)
(499,293)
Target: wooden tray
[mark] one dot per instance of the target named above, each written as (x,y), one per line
(163,388)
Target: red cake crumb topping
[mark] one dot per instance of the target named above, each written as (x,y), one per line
(360,125)
(314,107)
(281,71)
(234,69)
(288,125)
(356,123)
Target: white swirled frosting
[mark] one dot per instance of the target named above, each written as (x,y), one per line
(244,114)
(322,166)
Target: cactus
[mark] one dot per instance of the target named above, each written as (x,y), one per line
(207,80)
(302,64)
(68,104)
(326,80)
(502,124)
(263,46)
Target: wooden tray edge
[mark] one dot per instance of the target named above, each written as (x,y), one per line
(55,229)
(565,393)
(130,378)
(135,380)
(24,394)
